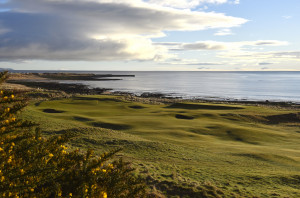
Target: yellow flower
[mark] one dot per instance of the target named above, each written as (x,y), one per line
(50,155)
(110,166)
(13,119)
(2,178)
(70,194)
(7,110)
(22,171)
(59,194)
(103,170)
(1,149)
(86,190)
(1,92)
(12,96)
(104,194)
(13,144)
(32,189)
(6,121)
(5,97)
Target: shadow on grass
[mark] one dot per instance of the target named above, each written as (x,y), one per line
(137,107)
(237,137)
(82,119)
(52,111)
(180,116)
(272,119)
(38,103)
(111,126)
(283,118)
(199,106)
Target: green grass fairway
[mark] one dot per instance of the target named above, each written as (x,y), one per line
(184,148)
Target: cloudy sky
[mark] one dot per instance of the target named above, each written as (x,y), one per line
(185,35)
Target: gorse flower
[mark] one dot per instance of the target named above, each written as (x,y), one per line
(34,166)
(104,194)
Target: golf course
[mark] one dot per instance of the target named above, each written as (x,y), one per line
(182,148)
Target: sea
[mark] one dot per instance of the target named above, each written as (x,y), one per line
(273,86)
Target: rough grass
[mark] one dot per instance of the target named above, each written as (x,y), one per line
(196,150)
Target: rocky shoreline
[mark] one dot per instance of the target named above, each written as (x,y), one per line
(76,76)
(69,88)
(44,81)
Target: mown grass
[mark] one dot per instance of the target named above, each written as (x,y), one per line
(187,149)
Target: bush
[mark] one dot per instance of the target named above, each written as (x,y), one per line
(33,166)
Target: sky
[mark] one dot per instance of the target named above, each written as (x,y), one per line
(150,35)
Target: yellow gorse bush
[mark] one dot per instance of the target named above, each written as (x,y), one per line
(33,166)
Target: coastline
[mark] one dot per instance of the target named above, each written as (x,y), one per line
(53,82)
(223,138)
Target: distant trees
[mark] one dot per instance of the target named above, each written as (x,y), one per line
(34,166)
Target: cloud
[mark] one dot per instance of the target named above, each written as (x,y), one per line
(88,49)
(290,54)
(224,32)
(238,52)
(205,64)
(3,1)
(200,45)
(265,63)
(3,30)
(96,29)
(215,45)
(287,17)
(185,3)
(236,2)
(182,61)
(204,46)
(250,56)
(269,42)
(198,63)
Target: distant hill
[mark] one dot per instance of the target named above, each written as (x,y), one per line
(6,69)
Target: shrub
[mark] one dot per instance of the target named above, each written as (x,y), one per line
(33,166)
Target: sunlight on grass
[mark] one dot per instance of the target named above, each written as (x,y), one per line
(237,148)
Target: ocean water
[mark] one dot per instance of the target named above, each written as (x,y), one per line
(250,86)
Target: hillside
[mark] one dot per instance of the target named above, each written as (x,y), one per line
(187,148)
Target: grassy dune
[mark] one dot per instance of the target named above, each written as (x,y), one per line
(187,149)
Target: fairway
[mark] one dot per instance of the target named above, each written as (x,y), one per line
(186,148)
